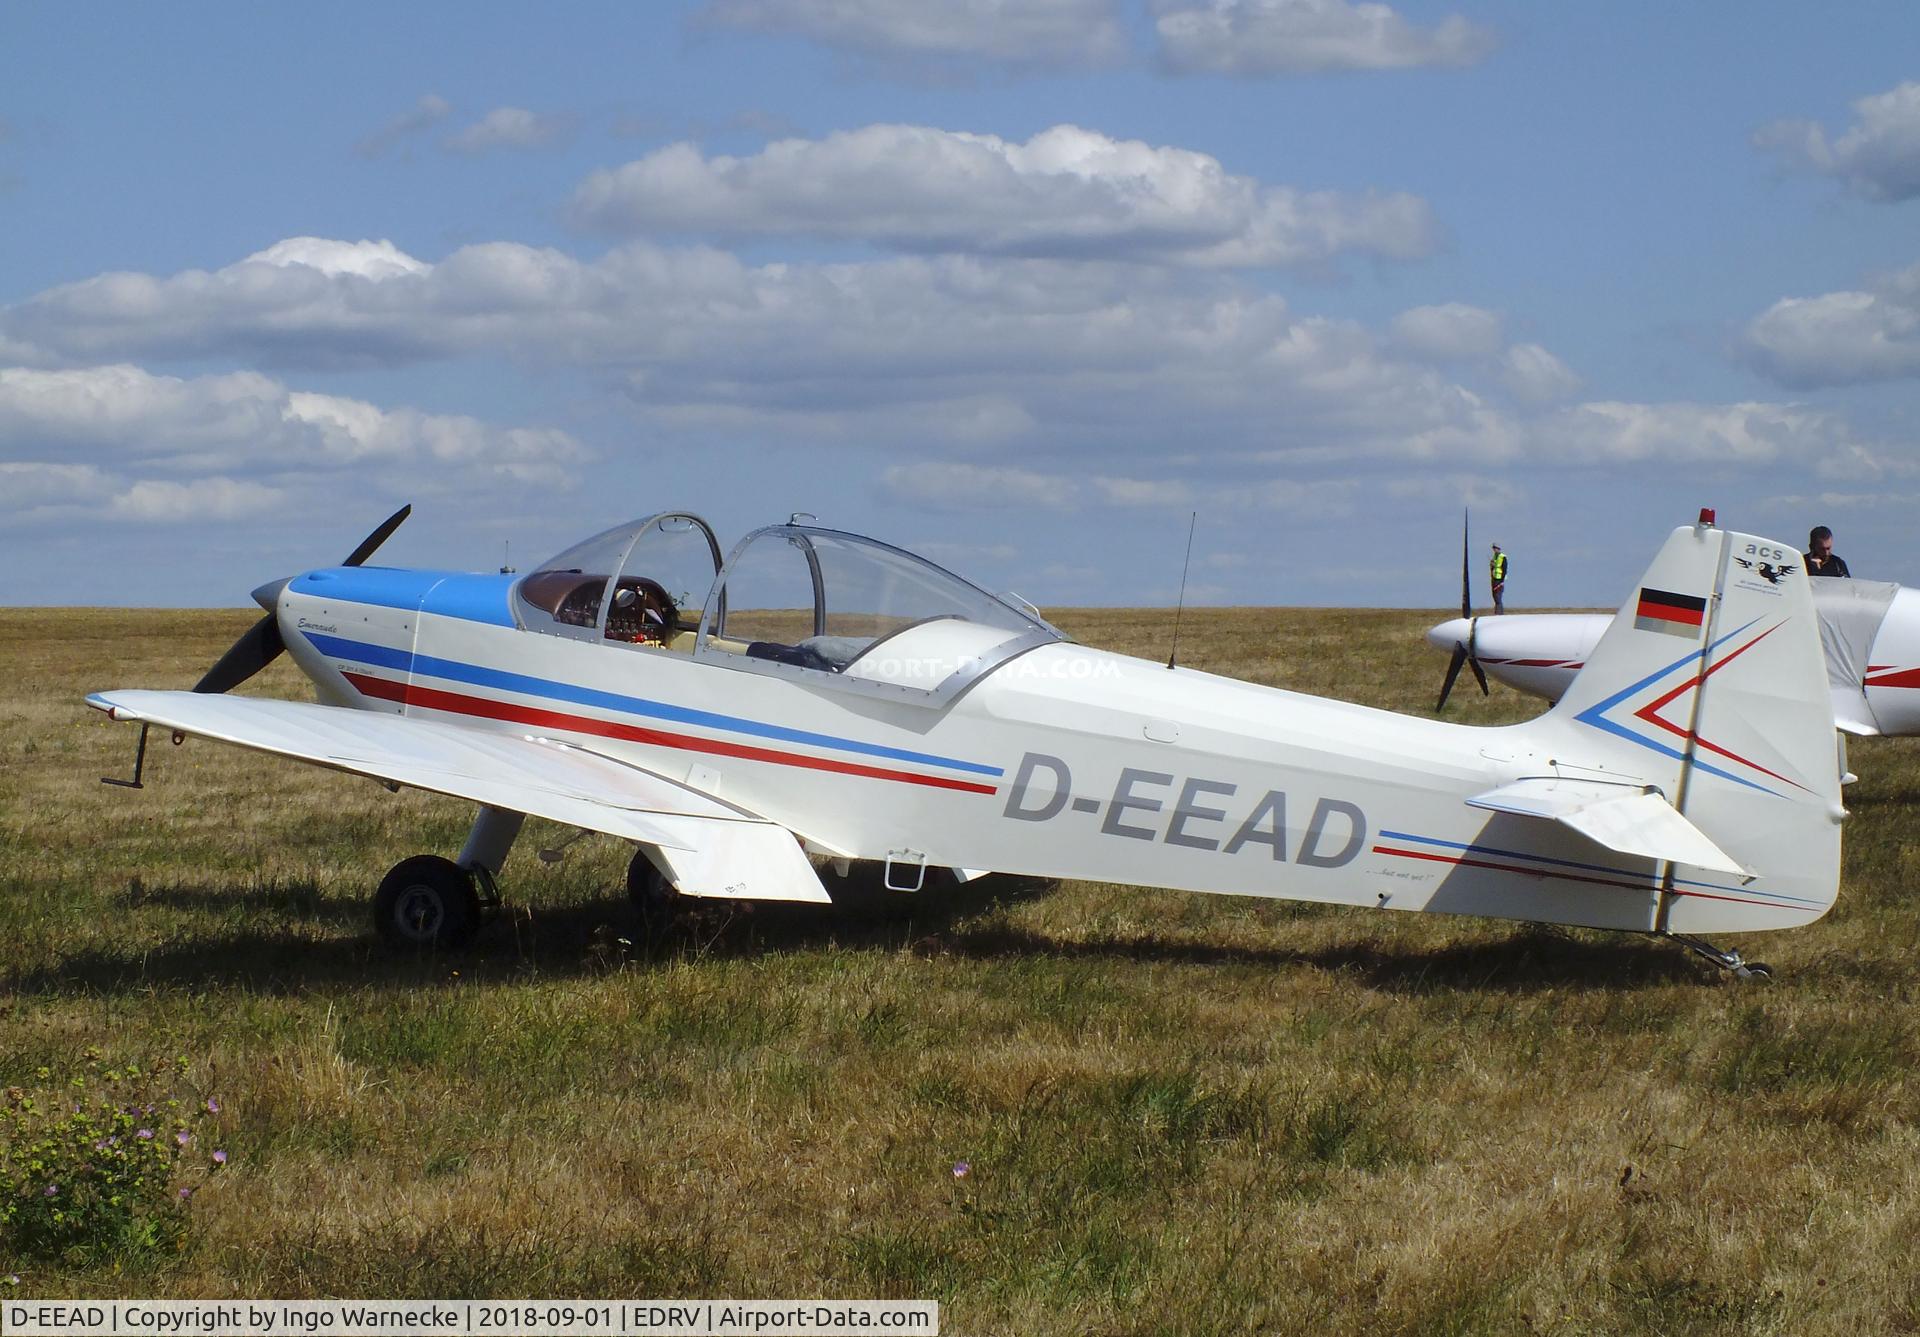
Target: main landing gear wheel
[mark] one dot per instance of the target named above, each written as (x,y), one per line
(427,902)
(657,900)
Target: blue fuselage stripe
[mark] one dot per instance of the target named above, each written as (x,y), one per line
(404,661)
(1652,883)
(1595,715)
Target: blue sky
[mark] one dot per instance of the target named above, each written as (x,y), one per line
(1020,284)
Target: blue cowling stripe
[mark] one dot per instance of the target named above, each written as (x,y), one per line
(404,661)
(469,596)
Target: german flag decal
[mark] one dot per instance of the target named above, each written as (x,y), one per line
(1675,614)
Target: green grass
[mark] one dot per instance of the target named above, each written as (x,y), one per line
(1178,1113)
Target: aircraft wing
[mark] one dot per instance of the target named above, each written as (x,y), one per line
(1627,818)
(711,848)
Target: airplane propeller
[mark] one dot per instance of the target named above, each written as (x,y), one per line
(1464,651)
(262,643)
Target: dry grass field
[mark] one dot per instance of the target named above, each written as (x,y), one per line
(1179,1114)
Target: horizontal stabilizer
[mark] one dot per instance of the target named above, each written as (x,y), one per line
(714,848)
(1852,714)
(1632,819)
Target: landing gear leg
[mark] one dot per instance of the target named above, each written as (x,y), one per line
(485,853)
(657,899)
(488,844)
(1725,958)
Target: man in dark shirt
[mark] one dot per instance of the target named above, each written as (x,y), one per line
(1821,560)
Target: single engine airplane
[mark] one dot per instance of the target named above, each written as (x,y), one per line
(820,693)
(1869,634)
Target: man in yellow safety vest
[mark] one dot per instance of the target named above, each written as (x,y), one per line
(1497,569)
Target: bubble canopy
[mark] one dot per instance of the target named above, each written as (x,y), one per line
(876,617)
(791,600)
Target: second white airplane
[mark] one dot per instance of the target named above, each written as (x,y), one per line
(1869,635)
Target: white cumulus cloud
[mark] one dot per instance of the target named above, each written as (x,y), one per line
(31,484)
(366,259)
(428,112)
(1449,332)
(1063,373)
(1535,376)
(1841,338)
(1266,37)
(1613,432)
(153,447)
(163,502)
(959,486)
(1065,192)
(1877,157)
(510,128)
(1016,32)
(36,490)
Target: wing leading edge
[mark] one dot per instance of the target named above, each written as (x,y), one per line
(711,848)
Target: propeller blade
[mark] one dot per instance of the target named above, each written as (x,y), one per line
(1473,654)
(259,647)
(1466,587)
(262,642)
(1463,651)
(372,542)
(1453,672)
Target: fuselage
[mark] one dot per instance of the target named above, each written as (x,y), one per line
(1536,653)
(1062,761)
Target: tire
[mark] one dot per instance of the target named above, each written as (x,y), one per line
(426,903)
(652,895)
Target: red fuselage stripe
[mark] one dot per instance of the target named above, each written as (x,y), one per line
(457,703)
(1510,868)
(1564,877)
(1651,712)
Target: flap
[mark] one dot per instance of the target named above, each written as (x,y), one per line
(715,848)
(1629,818)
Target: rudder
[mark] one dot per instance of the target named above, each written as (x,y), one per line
(1710,684)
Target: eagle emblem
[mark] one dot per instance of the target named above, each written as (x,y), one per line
(1767,571)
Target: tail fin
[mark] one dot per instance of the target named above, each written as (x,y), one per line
(1710,684)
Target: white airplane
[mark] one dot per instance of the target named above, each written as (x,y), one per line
(837,697)
(1869,633)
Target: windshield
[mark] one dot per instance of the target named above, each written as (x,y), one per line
(639,583)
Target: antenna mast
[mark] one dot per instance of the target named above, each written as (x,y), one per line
(1179,608)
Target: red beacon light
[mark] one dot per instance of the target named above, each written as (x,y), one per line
(1706,515)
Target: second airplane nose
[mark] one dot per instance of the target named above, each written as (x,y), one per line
(1452,632)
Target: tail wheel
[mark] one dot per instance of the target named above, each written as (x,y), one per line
(427,902)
